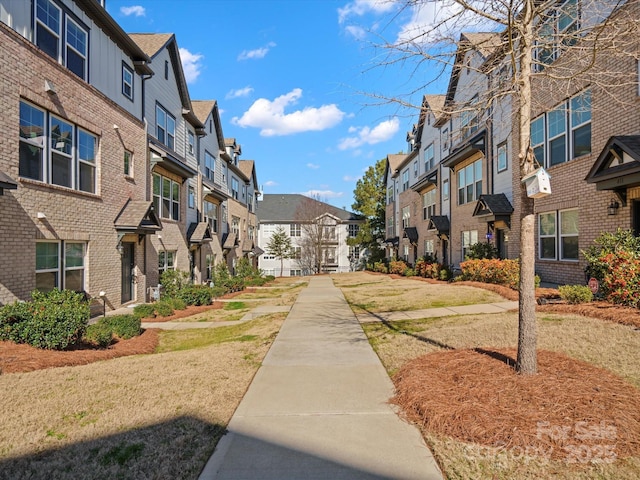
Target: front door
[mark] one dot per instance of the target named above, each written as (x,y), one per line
(635,211)
(501,244)
(127,271)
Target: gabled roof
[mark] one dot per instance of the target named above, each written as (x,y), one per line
(6,182)
(236,147)
(248,169)
(152,44)
(286,207)
(199,233)
(439,223)
(202,109)
(411,233)
(495,204)
(618,165)
(430,104)
(393,163)
(137,216)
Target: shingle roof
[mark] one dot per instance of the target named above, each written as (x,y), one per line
(151,43)
(199,233)
(246,167)
(395,160)
(495,204)
(286,207)
(202,108)
(436,103)
(137,215)
(484,42)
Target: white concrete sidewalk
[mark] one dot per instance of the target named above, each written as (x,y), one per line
(317,407)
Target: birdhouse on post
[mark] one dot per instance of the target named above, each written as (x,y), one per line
(537,183)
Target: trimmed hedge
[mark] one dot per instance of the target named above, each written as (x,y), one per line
(575,294)
(123,326)
(195,295)
(98,334)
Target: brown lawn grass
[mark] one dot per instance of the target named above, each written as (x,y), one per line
(589,373)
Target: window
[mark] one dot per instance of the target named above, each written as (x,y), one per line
(581,124)
(428,247)
(235,186)
(55,269)
(209,165)
(329,232)
(70,152)
(191,197)
(406,216)
(251,232)
(330,256)
(559,30)
(390,195)
(128,163)
(166,197)
(210,262)
(469,238)
(564,234)
(415,168)
(502,157)
(354,252)
(405,180)
(295,272)
(244,191)
(191,148)
(552,145)
(405,253)
(354,228)
(76,53)
(210,213)
(445,189)
(470,182)
(235,225)
(166,261)
(165,127)
(127,81)
(428,158)
(294,230)
(445,139)
(166,70)
(297,253)
(469,118)
(49,38)
(429,204)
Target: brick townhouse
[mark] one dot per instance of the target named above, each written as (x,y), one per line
(584,131)
(74,213)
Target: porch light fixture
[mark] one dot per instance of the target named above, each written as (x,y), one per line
(613,207)
(120,248)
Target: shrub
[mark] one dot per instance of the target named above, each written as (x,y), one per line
(123,326)
(409,272)
(621,282)
(380,267)
(196,295)
(217,292)
(609,242)
(482,250)
(177,303)
(144,310)
(98,334)
(575,294)
(172,281)
(397,266)
(163,308)
(501,272)
(13,319)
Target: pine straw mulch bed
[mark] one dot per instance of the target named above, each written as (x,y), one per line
(475,396)
(16,358)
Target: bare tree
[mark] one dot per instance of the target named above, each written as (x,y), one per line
(550,44)
(318,235)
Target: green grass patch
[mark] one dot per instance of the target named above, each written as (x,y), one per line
(235,306)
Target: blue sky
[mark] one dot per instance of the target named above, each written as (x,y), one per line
(288,77)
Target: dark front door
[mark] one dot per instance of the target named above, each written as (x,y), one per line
(127,271)
(635,211)
(501,245)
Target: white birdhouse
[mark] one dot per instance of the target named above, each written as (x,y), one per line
(537,183)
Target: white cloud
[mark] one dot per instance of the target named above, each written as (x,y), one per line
(241,92)
(350,178)
(356,32)
(313,166)
(257,53)
(270,183)
(370,136)
(191,64)
(322,194)
(361,7)
(270,117)
(136,10)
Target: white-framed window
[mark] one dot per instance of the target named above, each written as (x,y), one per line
(329,255)
(166,197)
(428,158)
(470,182)
(210,213)
(415,168)
(166,261)
(251,232)
(191,197)
(405,180)
(558,31)
(353,229)
(329,232)
(405,252)
(429,204)
(558,235)
(128,163)
(445,189)
(390,195)
(56,151)
(127,81)
(295,272)
(469,237)
(209,165)
(50,39)
(502,157)
(297,253)
(60,264)
(210,263)
(445,139)
(406,216)
(76,51)
(235,187)
(354,252)
(244,191)
(235,225)
(428,247)
(191,143)
(165,127)
(564,132)
(295,230)
(469,118)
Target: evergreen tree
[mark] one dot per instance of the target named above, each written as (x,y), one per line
(280,246)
